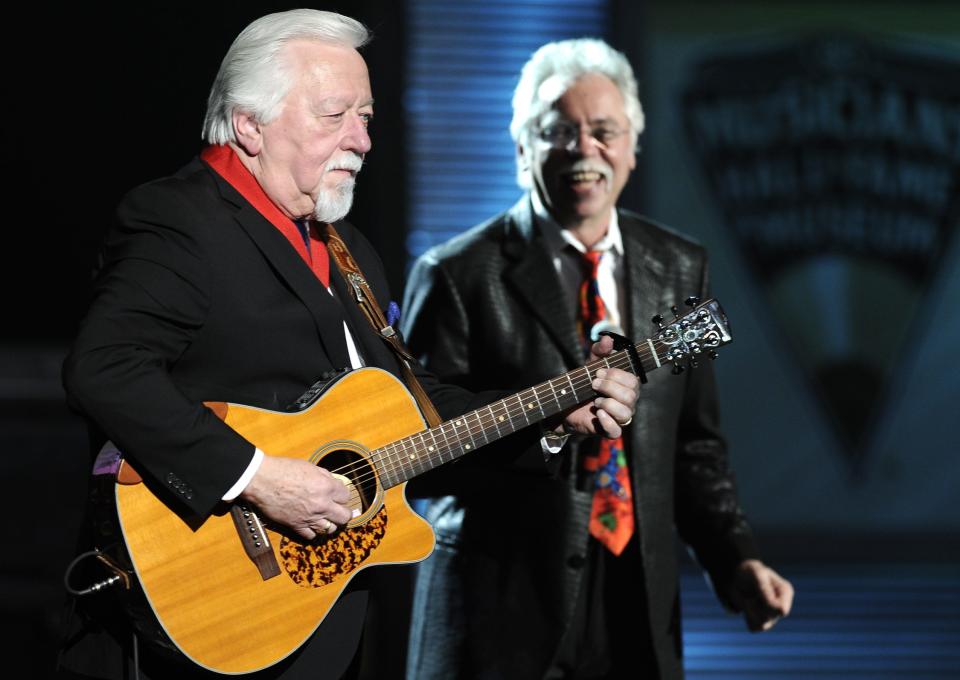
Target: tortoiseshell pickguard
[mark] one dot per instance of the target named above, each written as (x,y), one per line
(327,559)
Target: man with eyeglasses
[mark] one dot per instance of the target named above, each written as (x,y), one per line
(568,569)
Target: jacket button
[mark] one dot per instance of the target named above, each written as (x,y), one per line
(576,561)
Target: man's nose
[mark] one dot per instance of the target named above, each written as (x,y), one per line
(356,137)
(585,143)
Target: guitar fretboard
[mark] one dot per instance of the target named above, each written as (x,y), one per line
(406,458)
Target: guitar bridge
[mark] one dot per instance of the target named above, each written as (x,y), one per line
(255,541)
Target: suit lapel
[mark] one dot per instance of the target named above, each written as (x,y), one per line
(289,266)
(646,296)
(644,277)
(534,280)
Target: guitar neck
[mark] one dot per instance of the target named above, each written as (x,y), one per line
(406,458)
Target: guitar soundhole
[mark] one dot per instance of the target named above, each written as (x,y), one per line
(357,473)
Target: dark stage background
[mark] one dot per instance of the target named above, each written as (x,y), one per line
(122,102)
(100,99)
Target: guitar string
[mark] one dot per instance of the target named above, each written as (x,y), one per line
(394,460)
(485,422)
(391,461)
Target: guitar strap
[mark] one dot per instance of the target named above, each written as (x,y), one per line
(368,305)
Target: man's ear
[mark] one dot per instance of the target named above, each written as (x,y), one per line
(248,132)
(522,160)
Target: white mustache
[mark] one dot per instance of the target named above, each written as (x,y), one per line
(590,165)
(350,162)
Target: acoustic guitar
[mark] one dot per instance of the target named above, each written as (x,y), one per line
(235,595)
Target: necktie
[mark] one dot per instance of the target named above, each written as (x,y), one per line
(317,256)
(611,516)
(304,228)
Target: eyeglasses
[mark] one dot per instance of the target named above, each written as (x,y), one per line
(566,135)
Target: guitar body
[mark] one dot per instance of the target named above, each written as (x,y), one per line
(210,597)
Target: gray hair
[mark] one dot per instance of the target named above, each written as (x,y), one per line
(552,70)
(254,78)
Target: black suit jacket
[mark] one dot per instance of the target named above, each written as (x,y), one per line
(487,310)
(201,298)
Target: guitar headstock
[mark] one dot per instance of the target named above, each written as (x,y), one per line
(699,331)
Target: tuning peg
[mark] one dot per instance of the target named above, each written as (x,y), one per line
(712,354)
(677,369)
(693,362)
(676,312)
(658,319)
(692,301)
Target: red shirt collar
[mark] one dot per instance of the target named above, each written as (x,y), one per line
(225,162)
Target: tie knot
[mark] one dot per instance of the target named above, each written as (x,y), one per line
(591,262)
(303,226)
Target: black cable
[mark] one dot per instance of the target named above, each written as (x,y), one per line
(94,588)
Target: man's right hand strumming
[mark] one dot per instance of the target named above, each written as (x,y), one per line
(299,495)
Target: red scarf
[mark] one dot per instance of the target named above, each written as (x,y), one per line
(224,160)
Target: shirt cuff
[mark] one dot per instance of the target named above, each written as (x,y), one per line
(245,478)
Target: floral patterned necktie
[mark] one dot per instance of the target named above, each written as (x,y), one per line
(611,516)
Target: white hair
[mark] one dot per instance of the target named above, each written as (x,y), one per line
(551,71)
(255,78)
